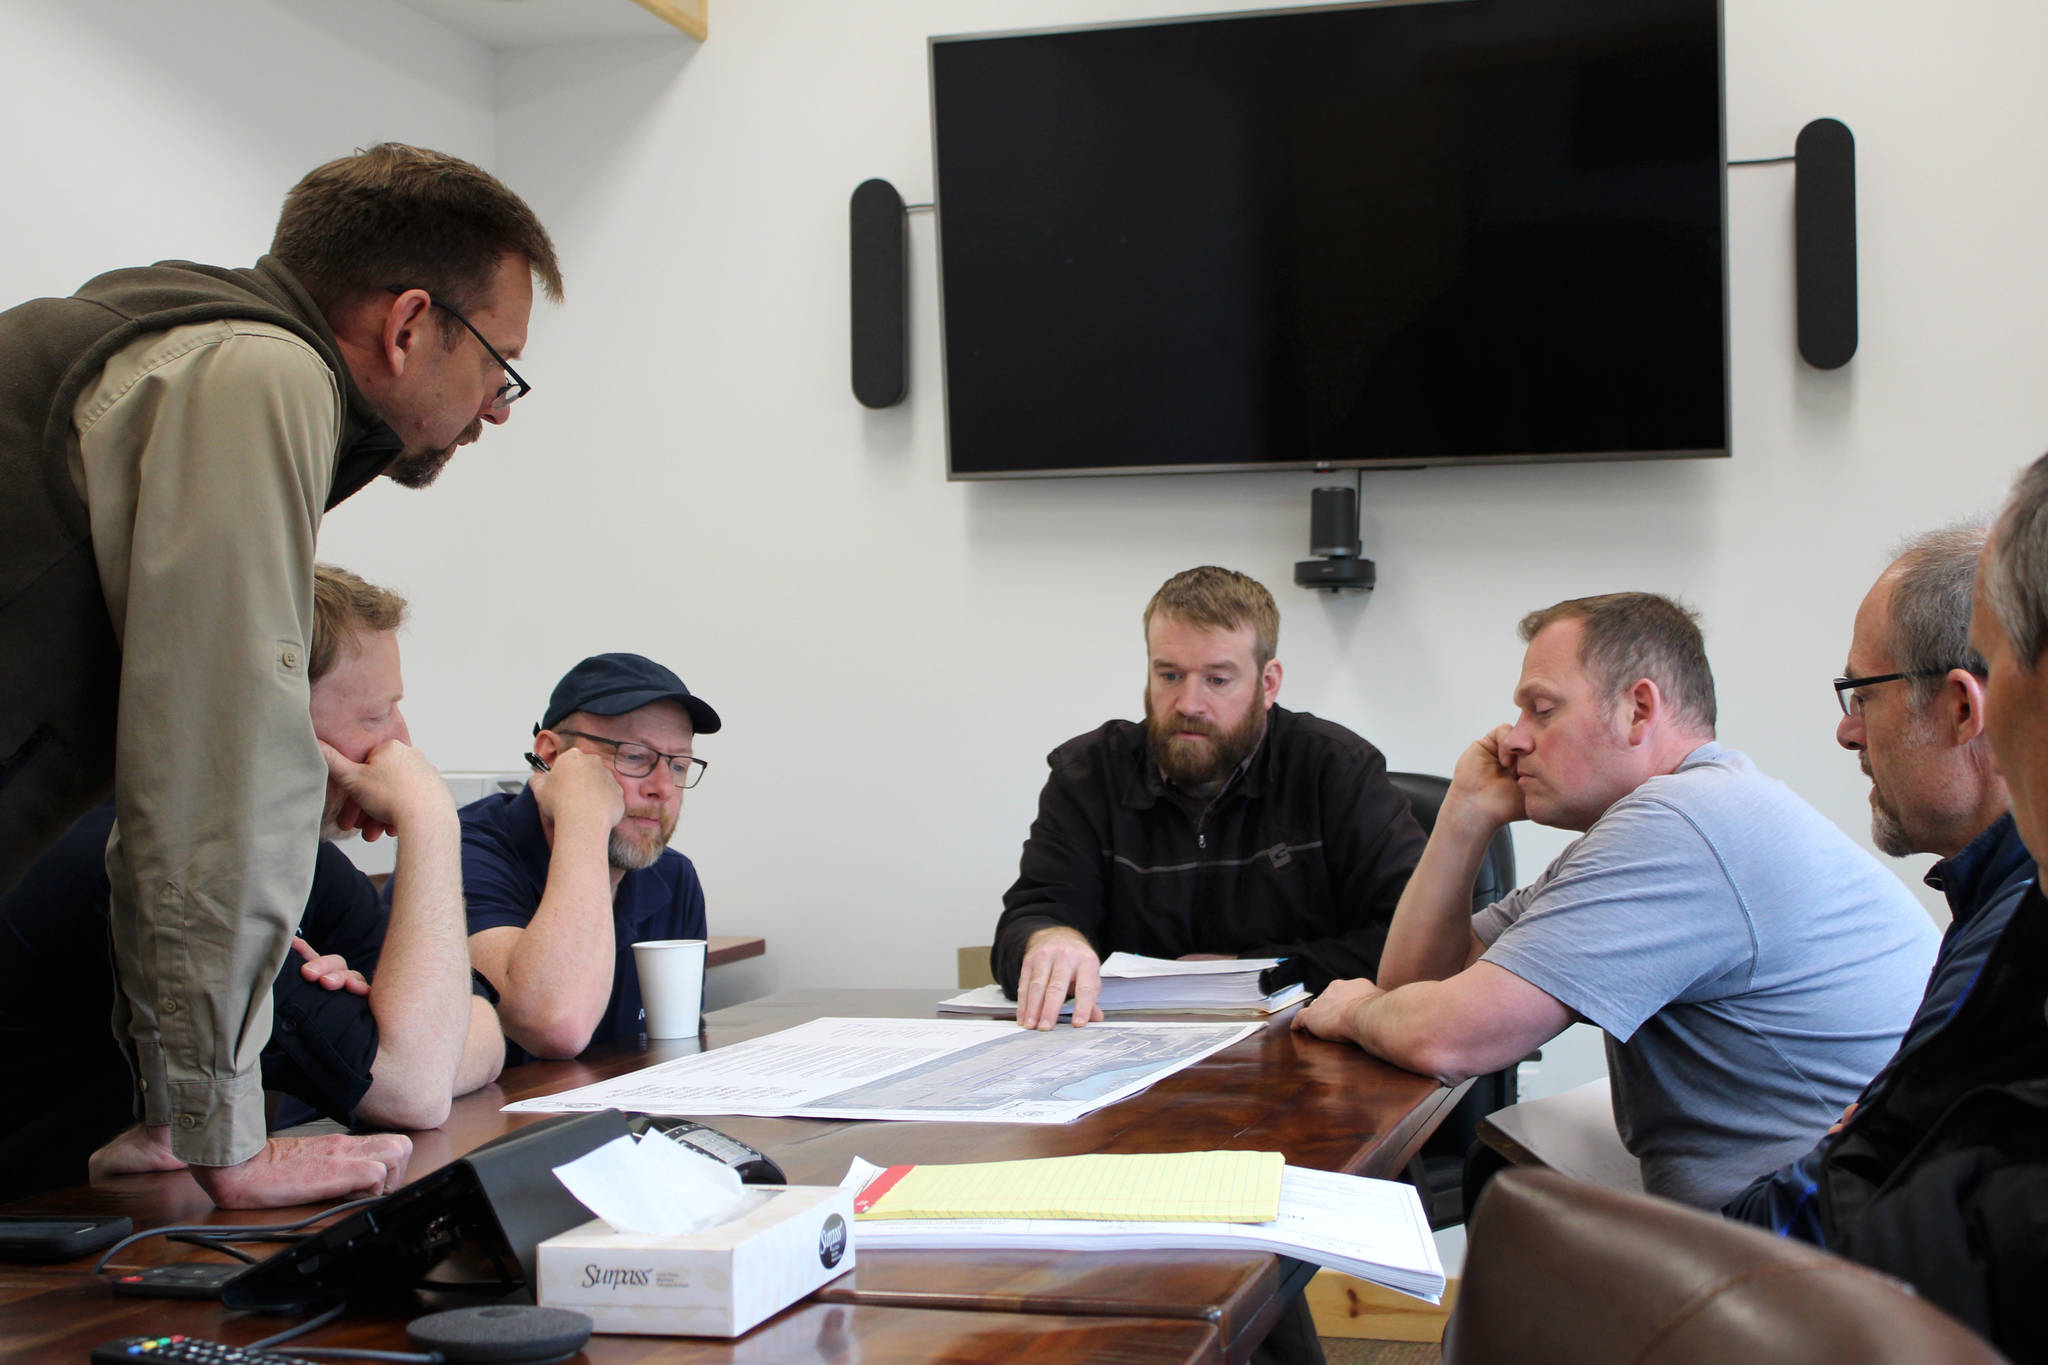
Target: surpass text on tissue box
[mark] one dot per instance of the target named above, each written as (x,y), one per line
(715,1283)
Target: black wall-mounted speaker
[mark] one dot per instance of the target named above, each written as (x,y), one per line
(1824,215)
(881,336)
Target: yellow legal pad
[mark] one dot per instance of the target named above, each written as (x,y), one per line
(1171,1187)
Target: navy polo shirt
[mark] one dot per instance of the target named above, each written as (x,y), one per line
(505,869)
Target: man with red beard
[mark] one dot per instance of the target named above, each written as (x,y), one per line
(563,878)
(1224,826)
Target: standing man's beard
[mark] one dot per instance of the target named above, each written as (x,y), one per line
(417,469)
(1191,763)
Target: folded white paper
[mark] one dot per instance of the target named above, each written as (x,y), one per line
(653,1186)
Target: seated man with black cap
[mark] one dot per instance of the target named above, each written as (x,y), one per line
(565,877)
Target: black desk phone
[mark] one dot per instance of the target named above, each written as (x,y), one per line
(755,1167)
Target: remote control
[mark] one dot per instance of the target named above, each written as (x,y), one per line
(178,1349)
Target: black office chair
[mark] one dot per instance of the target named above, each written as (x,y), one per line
(1438,1169)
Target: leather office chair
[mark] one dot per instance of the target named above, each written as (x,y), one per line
(1562,1273)
(1425,793)
(1438,1170)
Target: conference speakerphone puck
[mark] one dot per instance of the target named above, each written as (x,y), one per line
(510,1334)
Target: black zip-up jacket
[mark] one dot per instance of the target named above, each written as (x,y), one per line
(1943,1180)
(1302,855)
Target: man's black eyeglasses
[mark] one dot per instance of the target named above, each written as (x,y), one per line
(1844,686)
(637,760)
(512,390)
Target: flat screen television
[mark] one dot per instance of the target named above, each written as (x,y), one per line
(1355,236)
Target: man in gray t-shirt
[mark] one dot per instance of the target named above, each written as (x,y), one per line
(1751,966)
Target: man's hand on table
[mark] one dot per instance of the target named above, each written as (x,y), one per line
(1057,961)
(309,1170)
(1329,1015)
(137,1151)
(287,1171)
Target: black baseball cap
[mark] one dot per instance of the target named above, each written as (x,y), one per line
(613,684)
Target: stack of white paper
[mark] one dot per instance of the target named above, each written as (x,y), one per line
(1132,983)
(1373,1229)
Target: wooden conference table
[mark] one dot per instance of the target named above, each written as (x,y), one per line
(1320,1104)
(720,949)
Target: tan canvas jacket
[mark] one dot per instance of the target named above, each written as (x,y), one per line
(197,461)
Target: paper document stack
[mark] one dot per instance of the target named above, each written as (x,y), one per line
(1132,983)
(1373,1229)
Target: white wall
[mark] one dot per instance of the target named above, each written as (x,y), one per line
(893,654)
(141,131)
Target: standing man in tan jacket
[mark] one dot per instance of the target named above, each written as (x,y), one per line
(170,438)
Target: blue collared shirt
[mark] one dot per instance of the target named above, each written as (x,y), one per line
(505,858)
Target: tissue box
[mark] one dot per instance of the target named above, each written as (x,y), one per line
(783,1243)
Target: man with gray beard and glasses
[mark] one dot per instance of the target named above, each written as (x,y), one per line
(1223,826)
(1913,711)
(564,877)
(1940,1177)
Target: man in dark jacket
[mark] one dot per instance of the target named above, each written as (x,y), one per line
(1223,826)
(1912,695)
(1941,1178)
(170,439)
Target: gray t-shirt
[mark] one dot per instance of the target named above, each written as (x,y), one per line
(1751,965)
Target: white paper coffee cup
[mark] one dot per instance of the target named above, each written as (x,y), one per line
(671,985)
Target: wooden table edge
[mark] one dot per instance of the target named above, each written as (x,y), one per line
(1405,1139)
(723,949)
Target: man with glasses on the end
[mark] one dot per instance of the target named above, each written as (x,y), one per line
(564,877)
(1913,713)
